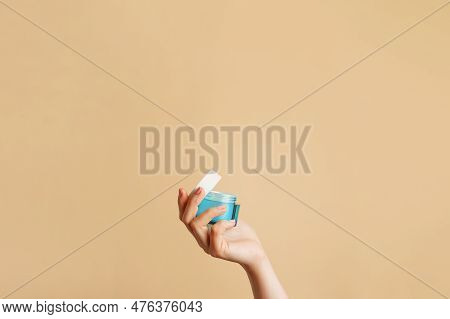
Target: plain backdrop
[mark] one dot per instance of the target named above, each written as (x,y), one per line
(378,150)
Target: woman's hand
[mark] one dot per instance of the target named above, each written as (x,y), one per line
(227,241)
(223,240)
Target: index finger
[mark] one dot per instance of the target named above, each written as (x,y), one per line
(182,201)
(192,205)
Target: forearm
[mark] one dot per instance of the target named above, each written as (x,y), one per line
(264,281)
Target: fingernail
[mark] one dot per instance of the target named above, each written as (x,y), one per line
(179,192)
(221,208)
(198,191)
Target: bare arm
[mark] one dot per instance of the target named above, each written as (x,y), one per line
(224,240)
(264,281)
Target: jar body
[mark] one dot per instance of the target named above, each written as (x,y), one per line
(214,199)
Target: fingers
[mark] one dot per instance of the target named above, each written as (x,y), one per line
(182,201)
(198,226)
(188,207)
(217,246)
(209,214)
(192,205)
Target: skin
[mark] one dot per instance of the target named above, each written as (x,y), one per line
(224,240)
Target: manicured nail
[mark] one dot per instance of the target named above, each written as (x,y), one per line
(198,191)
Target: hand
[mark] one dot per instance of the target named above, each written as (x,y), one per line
(234,243)
(223,240)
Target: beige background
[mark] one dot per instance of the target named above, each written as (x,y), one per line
(378,149)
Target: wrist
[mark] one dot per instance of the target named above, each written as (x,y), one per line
(257,264)
(264,281)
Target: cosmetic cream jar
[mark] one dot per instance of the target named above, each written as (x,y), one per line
(213,199)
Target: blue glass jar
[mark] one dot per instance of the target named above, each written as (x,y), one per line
(213,199)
